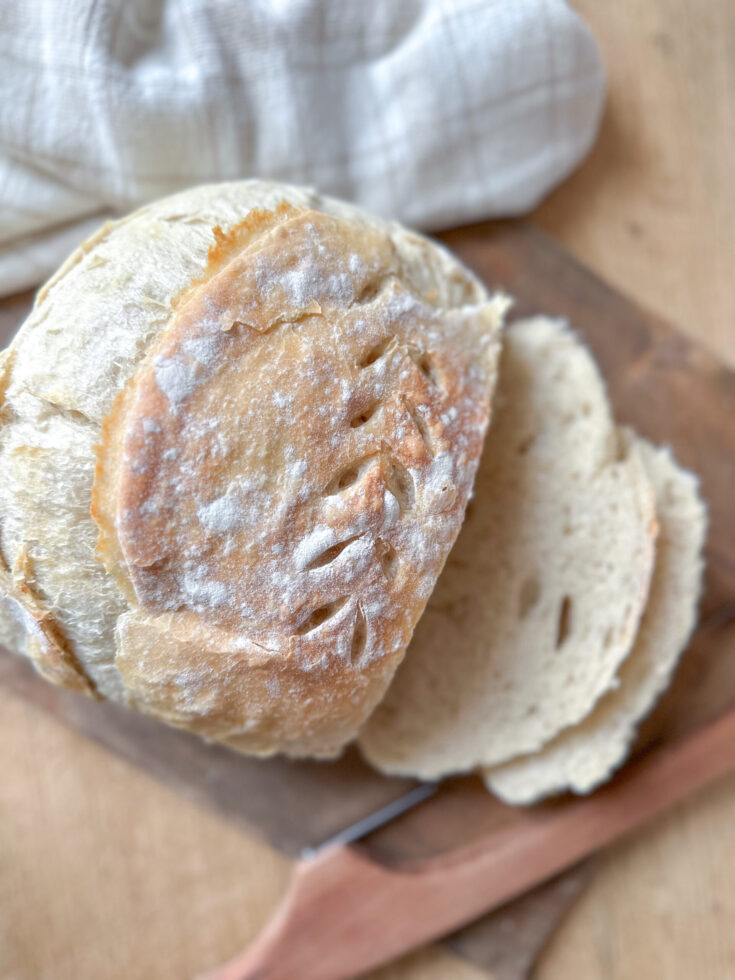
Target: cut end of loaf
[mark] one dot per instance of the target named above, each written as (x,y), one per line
(543,592)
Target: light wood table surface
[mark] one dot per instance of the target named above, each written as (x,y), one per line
(106,875)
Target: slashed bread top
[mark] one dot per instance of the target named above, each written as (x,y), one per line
(282,430)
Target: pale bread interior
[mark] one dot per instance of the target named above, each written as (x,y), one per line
(543,592)
(582,757)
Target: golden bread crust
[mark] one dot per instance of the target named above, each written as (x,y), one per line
(279,485)
(234,472)
(269,701)
(44,644)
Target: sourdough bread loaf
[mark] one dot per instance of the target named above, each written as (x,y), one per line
(582,757)
(543,592)
(238,433)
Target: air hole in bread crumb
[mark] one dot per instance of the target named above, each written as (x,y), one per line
(364,416)
(565,621)
(359,636)
(622,449)
(320,616)
(617,448)
(525,445)
(328,556)
(529,595)
(387,557)
(375,352)
(608,637)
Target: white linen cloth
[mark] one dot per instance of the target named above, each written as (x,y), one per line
(435,112)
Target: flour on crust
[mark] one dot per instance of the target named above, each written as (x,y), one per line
(268,407)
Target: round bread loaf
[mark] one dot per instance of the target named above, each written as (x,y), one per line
(238,434)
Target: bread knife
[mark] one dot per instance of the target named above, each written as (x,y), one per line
(346,913)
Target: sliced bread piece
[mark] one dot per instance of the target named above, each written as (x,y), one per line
(542,594)
(582,757)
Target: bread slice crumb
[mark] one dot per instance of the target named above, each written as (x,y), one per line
(582,757)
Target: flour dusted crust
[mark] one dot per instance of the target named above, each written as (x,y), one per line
(273,406)
(543,592)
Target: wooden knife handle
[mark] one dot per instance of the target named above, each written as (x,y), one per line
(345,913)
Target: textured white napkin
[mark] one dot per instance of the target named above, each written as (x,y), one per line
(432,111)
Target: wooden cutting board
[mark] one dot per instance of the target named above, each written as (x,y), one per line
(673,392)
